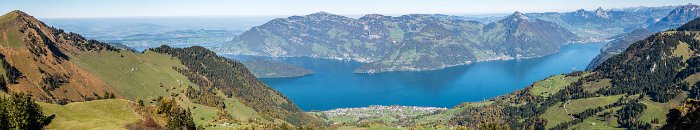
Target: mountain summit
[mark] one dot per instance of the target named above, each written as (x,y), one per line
(600,12)
(37,59)
(521,37)
(517,15)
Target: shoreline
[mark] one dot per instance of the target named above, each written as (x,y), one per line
(409,69)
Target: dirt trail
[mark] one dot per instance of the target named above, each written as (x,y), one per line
(567,111)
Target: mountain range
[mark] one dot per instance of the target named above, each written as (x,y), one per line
(673,19)
(408,42)
(600,24)
(432,41)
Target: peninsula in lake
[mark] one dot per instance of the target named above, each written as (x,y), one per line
(274,69)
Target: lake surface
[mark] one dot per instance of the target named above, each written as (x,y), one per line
(333,85)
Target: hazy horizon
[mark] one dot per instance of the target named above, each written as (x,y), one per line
(276,8)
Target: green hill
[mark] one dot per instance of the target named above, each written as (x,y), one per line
(99,114)
(83,76)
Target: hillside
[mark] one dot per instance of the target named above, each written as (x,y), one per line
(676,17)
(37,59)
(65,68)
(673,19)
(520,36)
(618,45)
(232,78)
(601,24)
(634,90)
(408,42)
(99,114)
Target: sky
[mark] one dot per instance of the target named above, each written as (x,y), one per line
(167,8)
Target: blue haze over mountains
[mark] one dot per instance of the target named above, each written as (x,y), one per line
(149,32)
(619,43)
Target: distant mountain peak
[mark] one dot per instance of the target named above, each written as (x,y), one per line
(17,15)
(372,16)
(325,15)
(580,12)
(600,12)
(18,12)
(518,15)
(321,13)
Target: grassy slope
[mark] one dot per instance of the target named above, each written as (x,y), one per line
(552,85)
(594,123)
(656,110)
(594,86)
(692,79)
(557,114)
(138,76)
(9,38)
(579,105)
(98,114)
(684,51)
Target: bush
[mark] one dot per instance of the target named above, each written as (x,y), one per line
(178,118)
(18,111)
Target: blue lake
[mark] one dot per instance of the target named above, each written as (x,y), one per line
(333,85)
